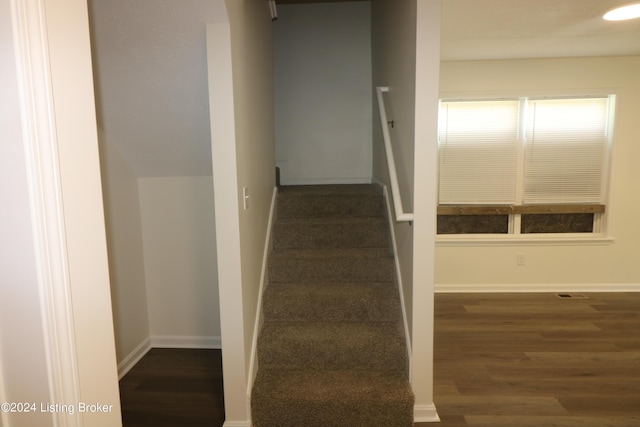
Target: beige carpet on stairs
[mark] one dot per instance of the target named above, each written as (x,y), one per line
(332,350)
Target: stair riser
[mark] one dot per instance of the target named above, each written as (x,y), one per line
(331,302)
(370,234)
(283,268)
(329,206)
(353,398)
(311,414)
(368,350)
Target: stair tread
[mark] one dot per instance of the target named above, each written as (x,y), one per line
(332,345)
(331,397)
(325,333)
(330,190)
(352,384)
(330,201)
(338,265)
(332,252)
(378,220)
(332,301)
(331,232)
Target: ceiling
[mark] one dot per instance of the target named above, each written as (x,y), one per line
(509,29)
(151,73)
(501,29)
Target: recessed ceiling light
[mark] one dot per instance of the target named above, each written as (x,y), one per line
(622,13)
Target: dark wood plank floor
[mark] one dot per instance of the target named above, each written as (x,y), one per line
(537,360)
(516,360)
(174,388)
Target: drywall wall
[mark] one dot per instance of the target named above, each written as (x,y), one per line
(572,265)
(124,242)
(151,80)
(251,50)
(394,52)
(424,204)
(242,133)
(23,365)
(323,96)
(178,234)
(406,55)
(225,183)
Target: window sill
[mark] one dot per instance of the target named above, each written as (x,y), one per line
(522,240)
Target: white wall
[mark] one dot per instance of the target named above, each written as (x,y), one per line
(569,266)
(251,49)
(424,203)
(242,130)
(70,259)
(124,241)
(406,53)
(323,97)
(23,370)
(150,69)
(394,50)
(178,233)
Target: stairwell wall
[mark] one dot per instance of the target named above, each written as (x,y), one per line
(252,65)
(323,98)
(406,57)
(393,52)
(242,127)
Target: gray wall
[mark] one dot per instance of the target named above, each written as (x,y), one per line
(322,66)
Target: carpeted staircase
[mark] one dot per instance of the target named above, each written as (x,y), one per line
(332,350)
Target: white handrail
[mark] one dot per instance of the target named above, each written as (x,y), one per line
(393,176)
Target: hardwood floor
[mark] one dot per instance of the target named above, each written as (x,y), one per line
(537,360)
(174,387)
(516,360)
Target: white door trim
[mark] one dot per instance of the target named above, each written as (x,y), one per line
(45,193)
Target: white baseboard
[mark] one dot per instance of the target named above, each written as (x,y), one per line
(407,336)
(253,361)
(379,183)
(537,287)
(425,414)
(133,358)
(179,341)
(165,341)
(236,424)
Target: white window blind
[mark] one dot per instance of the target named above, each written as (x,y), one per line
(478,150)
(565,150)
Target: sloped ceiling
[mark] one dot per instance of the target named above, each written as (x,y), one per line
(151,82)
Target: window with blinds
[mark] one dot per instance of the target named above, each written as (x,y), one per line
(565,150)
(478,150)
(511,155)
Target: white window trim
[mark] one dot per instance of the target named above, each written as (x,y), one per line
(603,227)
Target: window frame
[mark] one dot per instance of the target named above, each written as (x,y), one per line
(602,225)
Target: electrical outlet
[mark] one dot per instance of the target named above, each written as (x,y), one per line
(521,260)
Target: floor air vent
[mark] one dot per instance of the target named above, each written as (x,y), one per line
(571,296)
